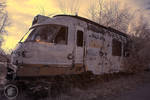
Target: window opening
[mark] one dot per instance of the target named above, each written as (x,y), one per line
(79,38)
(116,48)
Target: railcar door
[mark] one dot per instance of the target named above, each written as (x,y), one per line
(62,50)
(79,47)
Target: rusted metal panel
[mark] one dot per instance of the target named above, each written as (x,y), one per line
(100,59)
(49,70)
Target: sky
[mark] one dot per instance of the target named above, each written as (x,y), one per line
(22,12)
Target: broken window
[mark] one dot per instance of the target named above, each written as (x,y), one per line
(79,38)
(62,36)
(47,33)
(116,47)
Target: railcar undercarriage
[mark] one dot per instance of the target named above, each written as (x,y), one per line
(48,86)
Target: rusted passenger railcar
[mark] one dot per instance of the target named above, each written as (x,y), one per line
(67,44)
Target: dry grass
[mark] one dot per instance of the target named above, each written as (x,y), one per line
(139,58)
(101,88)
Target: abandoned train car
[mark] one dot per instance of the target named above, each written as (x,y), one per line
(67,44)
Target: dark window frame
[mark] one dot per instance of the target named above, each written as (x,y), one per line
(116,48)
(79,40)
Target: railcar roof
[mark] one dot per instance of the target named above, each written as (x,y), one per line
(94,23)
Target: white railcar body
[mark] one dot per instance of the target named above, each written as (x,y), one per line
(86,46)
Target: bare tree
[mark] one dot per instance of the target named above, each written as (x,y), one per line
(139,27)
(110,14)
(139,54)
(3,56)
(3,21)
(68,6)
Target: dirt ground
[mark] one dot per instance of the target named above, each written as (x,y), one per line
(108,89)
